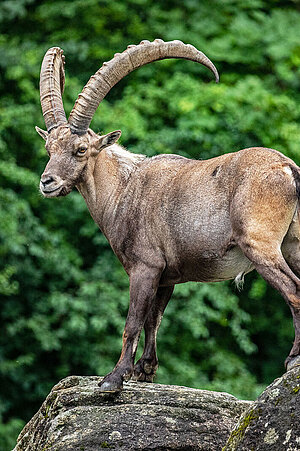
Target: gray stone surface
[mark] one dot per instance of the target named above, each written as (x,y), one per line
(271,423)
(76,416)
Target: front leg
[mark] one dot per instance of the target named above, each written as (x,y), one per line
(143,287)
(146,366)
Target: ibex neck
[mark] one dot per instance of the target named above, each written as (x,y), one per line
(105,181)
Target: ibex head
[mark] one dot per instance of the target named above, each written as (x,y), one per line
(71,143)
(69,154)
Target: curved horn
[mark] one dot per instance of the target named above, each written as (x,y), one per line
(121,65)
(52,82)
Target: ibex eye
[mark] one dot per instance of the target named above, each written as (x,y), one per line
(81,150)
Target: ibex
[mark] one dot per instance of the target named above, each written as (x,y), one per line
(167,218)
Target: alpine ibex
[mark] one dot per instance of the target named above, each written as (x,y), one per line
(171,219)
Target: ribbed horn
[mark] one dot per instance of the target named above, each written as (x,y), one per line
(121,65)
(52,82)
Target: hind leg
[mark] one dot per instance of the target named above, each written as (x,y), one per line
(259,228)
(291,245)
(274,269)
(291,253)
(146,367)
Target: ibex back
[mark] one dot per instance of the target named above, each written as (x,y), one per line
(170,219)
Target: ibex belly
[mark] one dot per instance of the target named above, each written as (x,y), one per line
(203,248)
(232,265)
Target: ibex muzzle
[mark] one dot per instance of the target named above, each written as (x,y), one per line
(170,219)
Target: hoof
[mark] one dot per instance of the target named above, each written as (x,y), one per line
(292,362)
(110,387)
(144,372)
(142,377)
(149,369)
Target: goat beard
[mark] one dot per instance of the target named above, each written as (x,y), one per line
(64,191)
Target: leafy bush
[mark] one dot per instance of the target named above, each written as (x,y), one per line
(64,296)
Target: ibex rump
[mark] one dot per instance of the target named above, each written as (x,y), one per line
(170,219)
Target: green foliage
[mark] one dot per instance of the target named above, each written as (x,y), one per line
(9,431)
(63,294)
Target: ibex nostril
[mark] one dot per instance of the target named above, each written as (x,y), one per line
(47,180)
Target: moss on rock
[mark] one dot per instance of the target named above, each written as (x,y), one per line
(272,422)
(78,416)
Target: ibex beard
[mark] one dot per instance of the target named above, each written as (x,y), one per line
(171,219)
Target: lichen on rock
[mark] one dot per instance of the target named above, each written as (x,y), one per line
(272,422)
(77,415)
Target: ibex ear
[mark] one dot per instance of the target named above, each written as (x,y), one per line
(108,140)
(42,133)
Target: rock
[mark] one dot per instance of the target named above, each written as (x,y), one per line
(76,415)
(272,421)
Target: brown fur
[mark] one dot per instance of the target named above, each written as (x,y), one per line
(170,220)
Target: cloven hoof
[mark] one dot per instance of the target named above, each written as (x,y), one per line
(293,363)
(110,387)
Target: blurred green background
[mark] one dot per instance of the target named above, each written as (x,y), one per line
(64,296)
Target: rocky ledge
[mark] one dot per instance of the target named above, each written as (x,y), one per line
(76,415)
(271,423)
